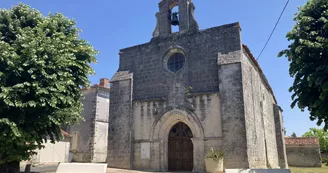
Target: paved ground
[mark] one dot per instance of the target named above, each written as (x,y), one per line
(53,168)
(112,170)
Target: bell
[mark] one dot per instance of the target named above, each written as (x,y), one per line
(175,19)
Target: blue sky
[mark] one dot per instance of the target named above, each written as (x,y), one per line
(112,25)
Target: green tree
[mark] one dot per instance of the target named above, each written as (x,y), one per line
(308,56)
(322,135)
(43,64)
(294,135)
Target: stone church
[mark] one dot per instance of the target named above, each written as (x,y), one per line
(180,94)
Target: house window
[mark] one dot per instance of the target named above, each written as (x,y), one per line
(176,62)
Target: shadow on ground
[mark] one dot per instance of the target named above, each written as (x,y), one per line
(42,169)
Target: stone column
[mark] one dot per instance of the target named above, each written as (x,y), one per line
(164,24)
(232,110)
(199,155)
(120,149)
(186,17)
(183,16)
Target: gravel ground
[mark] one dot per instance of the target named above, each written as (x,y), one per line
(53,168)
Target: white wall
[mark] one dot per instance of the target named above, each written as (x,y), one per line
(52,153)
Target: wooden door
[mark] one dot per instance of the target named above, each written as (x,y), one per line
(180,155)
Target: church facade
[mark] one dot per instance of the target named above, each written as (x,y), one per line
(179,95)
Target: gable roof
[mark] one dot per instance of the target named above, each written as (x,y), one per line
(95,86)
(64,133)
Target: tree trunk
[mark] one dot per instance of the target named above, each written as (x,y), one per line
(28,168)
(10,167)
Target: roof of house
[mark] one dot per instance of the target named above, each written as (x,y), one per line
(64,133)
(94,86)
(266,82)
(99,86)
(301,140)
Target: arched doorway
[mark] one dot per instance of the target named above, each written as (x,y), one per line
(180,148)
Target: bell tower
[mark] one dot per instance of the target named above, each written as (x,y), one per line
(166,17)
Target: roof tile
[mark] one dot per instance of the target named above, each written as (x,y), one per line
(301,140)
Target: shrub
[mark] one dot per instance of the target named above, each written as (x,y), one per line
(214,154)
(325,161)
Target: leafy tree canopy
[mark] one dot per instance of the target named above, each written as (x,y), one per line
(43,64)
(322,136)
(308,56)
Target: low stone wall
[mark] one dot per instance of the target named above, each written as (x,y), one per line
(303,152)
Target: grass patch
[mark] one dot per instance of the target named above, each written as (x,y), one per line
(323,169)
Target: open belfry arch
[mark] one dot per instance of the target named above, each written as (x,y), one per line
(186,17)
(174,98)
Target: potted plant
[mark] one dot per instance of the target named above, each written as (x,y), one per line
(214,161)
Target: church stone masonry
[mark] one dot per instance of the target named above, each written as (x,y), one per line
(174,98)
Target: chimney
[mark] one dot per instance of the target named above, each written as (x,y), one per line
(104,82)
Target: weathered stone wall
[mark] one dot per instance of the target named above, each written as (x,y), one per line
(304,155)
(228,106)
(146,113)
(233,119)
(259,114)
(151,79)
(157,91)
(280,136)
(119,136)
(91,135)
(100,139)
(187,21)
(81,133)
(206,107)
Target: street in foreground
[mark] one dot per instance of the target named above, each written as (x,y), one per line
(53,168)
